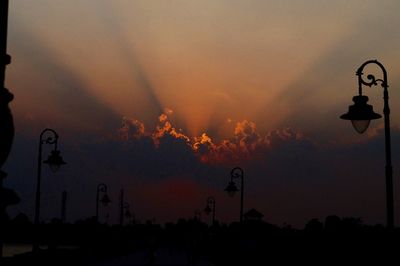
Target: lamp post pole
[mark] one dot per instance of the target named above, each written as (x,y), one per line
(125,212)
(231,189)
(361,113)
(63,206)
(49,140)
(197,215)
(208,210)
(123,208)
(105,200)
(54,161)
(236,175)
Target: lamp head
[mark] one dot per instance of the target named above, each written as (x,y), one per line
(207,209)
(231,189)
(360,113)
(128,214)
(105,200)
(54,160)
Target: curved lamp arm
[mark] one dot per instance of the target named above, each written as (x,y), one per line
(210,200)
(371,80)
(102,187)
(51,139)
(236,172)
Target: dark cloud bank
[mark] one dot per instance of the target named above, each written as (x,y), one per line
(288,177)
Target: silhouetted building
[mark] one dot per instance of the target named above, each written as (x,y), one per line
(21,219)
(253,215)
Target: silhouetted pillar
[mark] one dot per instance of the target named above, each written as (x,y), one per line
(7,196)
(121,207)
(63,206)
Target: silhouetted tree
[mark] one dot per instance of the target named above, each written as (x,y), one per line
(314,226)
(352,224)
(333,223)
(21,219)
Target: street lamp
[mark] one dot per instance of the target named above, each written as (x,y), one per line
(208,209)
(361,113)
(197,215)
(105,200)
(124,208)
(127,213)
(231,189)
(54,161)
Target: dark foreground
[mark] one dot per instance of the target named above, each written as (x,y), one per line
(194,243)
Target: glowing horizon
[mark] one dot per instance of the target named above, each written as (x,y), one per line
(147,56)
(199,86)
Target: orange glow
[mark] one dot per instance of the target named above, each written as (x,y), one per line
(131,129)
(171,198)
(167,128)
(203,139)
(245,144)
(210,62)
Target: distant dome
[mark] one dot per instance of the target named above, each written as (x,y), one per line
(253,214)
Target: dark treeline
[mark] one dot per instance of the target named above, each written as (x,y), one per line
(253,242)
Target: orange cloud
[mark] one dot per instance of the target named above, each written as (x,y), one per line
(166,128)
(246,143)
(131,129)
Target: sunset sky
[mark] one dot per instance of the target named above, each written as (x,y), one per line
(165,97)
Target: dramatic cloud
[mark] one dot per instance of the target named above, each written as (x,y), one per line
(131,129)
(245,145)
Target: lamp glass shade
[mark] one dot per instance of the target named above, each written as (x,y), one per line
(105,200)
(231,189)
(54,160)
(207,209)
(360,125)
(128,214)
(360,113)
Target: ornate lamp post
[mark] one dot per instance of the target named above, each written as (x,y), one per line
(123,208)
(197,215)
(7,196)
(208,209)
(105,200)
(127,212)
(54,161)
(361,113)
(231,189)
